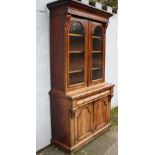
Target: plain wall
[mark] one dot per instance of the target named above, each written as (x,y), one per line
(43,125)
(112,57)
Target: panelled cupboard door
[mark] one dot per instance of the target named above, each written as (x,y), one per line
(101,113)
(77,53)
(84,122)
(97,52)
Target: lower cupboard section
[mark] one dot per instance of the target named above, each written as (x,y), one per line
(90,118)
(84,122)
(101,113)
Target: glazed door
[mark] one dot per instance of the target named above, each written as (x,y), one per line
(101,113)
(84,122)
(96,52)
(77,53)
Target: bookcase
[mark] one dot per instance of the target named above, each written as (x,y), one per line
(80,97)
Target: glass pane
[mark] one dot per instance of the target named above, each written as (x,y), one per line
(76,54)
(76,43)
(97,44)
(76,61)
(98,31)
(76,28)
(76,78)
(97,54)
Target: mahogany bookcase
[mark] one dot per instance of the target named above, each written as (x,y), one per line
(80,97)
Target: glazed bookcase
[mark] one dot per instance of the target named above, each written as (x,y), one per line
(80,97)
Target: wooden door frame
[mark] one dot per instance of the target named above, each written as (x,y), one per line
(84,23)
(92,26)
(90,107)
(105,101)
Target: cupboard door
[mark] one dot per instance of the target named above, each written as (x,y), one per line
(84,122)
(77,53)
(97,52)
(101,113)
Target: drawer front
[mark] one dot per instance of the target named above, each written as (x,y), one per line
(83,122)
(92,98)
(101,113)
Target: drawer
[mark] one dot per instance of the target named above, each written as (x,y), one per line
(92,98)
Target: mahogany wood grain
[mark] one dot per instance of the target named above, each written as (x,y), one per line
(80,112)
(84,122)
(100,113)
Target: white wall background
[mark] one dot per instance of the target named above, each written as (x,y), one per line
(112,56)
(43,127)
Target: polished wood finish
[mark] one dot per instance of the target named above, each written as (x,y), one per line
(100,113)
(80,97)
(83,122)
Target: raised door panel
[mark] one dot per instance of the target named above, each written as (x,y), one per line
(77,53)
(101,112)
(84,122)
(96,52)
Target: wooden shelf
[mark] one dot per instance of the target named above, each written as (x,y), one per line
(95,68)
(76,35)
(96,51)
(76,71)
(72,52)
(96,37)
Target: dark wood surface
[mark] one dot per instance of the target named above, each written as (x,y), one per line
(57,53)
(79,112)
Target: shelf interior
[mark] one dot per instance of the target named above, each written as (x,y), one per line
(96,68)
(76,43)
(96,51)
(75,71)
(75,52)
(76,60)
(97,37)
(77,77)
(97,54)
(76,35)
